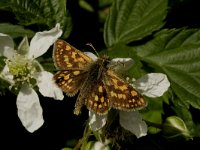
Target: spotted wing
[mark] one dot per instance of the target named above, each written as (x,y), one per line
(97,99)
(122,95)
(67,57)
(70,81)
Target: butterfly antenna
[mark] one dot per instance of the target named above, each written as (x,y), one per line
(90,44)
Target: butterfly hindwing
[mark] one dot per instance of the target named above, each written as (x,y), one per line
(97,99)
(70,81)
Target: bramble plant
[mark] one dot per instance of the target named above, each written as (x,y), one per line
(161,64)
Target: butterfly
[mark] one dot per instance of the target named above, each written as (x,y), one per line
(100,87)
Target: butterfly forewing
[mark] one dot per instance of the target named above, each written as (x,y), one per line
(67,57)
(121,95)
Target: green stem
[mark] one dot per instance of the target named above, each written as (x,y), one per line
(83,141)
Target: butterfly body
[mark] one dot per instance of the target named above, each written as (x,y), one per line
(93,79)
(99,87)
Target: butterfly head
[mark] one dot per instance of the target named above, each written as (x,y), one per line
(104,61)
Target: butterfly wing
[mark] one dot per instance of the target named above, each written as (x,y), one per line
(72,64)
(97,99)
(70,81)
(67,57)
(120,94)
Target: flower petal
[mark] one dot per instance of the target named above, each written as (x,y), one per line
(42,41)
(91,55)
(153,84)
(6,46)
(47,86)
(121,64)
(29,109)
(5,74)
(132,121)
(96,121)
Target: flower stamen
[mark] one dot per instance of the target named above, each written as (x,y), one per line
(22,70)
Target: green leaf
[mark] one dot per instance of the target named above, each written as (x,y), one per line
(45,12)
(177,53)
(15,30)
(131,20)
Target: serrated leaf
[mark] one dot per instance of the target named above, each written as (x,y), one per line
(45,12)
(177,53)
(15,30)
(131,20)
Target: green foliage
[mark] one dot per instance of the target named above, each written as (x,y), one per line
(45,12)
(176,53)
(153,113)
(15,30)
(133,20)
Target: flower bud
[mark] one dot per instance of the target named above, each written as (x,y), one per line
(174,127)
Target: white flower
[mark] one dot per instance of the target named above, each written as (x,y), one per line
(151,85)
(96,122)
(24,72)
(132,121)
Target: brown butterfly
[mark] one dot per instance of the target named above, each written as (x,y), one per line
(100,88)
